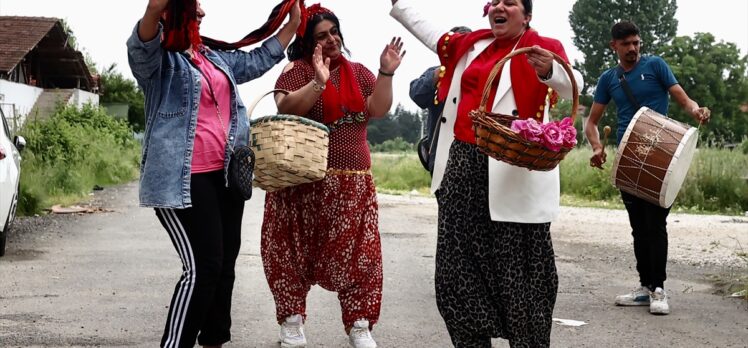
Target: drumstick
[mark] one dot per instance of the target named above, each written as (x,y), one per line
(606,131)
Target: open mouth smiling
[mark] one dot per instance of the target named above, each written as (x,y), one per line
(499,20)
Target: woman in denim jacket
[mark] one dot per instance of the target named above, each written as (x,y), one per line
(195,118)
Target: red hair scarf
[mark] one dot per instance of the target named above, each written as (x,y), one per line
(181,31)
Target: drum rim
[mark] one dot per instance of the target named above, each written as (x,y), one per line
(664,201)
(624,140)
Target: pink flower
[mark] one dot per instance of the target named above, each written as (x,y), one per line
(528,129)
(566,122)
(485,8)
(569,132)
(553,137)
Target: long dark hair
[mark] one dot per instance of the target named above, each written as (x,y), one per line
(304,47)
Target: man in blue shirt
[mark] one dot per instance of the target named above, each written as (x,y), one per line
(651,82)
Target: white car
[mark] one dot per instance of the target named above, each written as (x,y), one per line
(10,173)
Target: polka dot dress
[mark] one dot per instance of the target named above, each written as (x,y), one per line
(326,232)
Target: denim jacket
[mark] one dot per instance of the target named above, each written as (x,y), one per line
(172,88)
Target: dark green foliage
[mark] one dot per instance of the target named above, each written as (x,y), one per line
(403,124)
(116,88)
(714,75)
(393,145)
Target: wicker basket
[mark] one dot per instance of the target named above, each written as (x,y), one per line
(495,138)
(289,150)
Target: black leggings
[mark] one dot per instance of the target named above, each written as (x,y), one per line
(207,238)
(649,228)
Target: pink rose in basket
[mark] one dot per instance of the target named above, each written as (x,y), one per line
(528,129)
(553,136)
(570,133)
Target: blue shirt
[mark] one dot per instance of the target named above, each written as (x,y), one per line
(172,86)
(649,80)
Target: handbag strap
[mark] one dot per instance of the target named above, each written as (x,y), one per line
(627,88)
(435,132)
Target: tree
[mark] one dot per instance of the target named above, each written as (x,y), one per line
(714,75)
(591,21)
(115,88)
(403,124)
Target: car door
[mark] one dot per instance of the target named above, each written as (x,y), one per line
(8,171)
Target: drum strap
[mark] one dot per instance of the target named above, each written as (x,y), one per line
(627,89)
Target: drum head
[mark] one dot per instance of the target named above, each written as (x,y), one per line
(678,169)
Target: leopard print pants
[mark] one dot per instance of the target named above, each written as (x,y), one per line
(493,279)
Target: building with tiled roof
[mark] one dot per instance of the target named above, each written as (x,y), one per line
(40,68)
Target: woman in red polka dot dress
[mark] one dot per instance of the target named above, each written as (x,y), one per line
(326,232)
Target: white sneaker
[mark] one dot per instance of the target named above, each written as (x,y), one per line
(360,336)
(658,302)
(637,297)
(292,332)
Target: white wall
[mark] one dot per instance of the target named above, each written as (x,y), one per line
(18,99)
(81,98)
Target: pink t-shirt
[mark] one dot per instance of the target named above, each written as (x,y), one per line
(210,136)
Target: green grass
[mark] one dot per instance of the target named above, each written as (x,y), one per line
(716,181)
(398,173)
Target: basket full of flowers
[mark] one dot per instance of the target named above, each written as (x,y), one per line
(524,142)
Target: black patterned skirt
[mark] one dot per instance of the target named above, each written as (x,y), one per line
(493,279)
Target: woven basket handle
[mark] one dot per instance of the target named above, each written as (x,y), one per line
(257,100)
(500,64)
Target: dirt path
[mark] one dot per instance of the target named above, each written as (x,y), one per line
(105,279)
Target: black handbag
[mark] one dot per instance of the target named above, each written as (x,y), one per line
(241,169)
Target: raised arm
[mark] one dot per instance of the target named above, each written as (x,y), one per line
(300,101)
(289,29)
(380,101)
(144,44)
(149,23)
(423,30)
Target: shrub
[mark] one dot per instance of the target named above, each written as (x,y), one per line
(393,145)
(71,152)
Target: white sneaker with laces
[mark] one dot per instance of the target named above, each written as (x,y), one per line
(360,336)
(637,297)
(658,302)
(292,332)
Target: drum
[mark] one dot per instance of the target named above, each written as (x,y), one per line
(654,156)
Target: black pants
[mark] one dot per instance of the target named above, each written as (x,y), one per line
(207,238)
(492,279)
(649,228)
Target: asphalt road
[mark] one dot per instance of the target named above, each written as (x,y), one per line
(105,279)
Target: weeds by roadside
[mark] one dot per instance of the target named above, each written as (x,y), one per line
(71,152)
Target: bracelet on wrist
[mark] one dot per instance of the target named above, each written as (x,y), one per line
(317,87)
(386,73)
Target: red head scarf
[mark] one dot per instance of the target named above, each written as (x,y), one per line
(181,30)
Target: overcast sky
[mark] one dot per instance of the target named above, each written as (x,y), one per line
(102,27)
